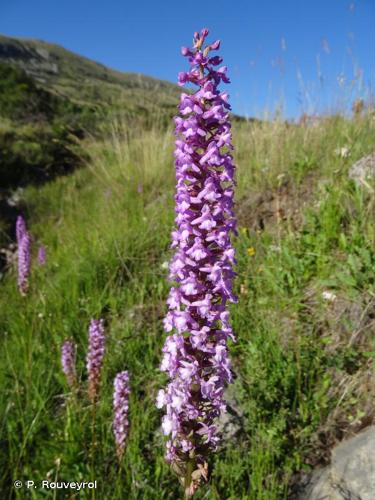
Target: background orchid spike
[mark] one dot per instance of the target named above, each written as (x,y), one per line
(195,354)
(42,255)
(120,409)
(24,256)
(68,362)
(95,355)
(20,227)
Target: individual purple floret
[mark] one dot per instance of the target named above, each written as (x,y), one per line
(95,356)
(24,258)
(68,362)
(195,354)
(42,255)
(120,409)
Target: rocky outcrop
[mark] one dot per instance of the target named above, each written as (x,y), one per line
(351,475)
(363,173)
(37,62)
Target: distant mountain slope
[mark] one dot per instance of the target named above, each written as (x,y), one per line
(49,97)
(87,82)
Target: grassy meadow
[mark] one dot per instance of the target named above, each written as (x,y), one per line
(304,355)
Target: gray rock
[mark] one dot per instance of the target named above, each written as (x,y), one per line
(320,487)
(351,475)
(363,172)
(231,423)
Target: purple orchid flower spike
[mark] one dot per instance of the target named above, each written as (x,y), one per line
(95,355)
(195,354)
(24,255)
(68,362)
(121,408)
(42,255)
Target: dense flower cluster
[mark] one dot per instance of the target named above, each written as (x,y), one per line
(95,354)
(120,409)
(68,362)
(24,257)
(195,355)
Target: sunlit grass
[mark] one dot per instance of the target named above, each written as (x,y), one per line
(107,233)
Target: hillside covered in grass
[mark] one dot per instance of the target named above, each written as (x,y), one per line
(38,130)
(304,357)
(50,99)
(88,83)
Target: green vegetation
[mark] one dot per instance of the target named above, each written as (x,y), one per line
(38,131)
(304,322)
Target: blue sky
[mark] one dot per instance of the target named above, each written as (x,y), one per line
(303,55)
